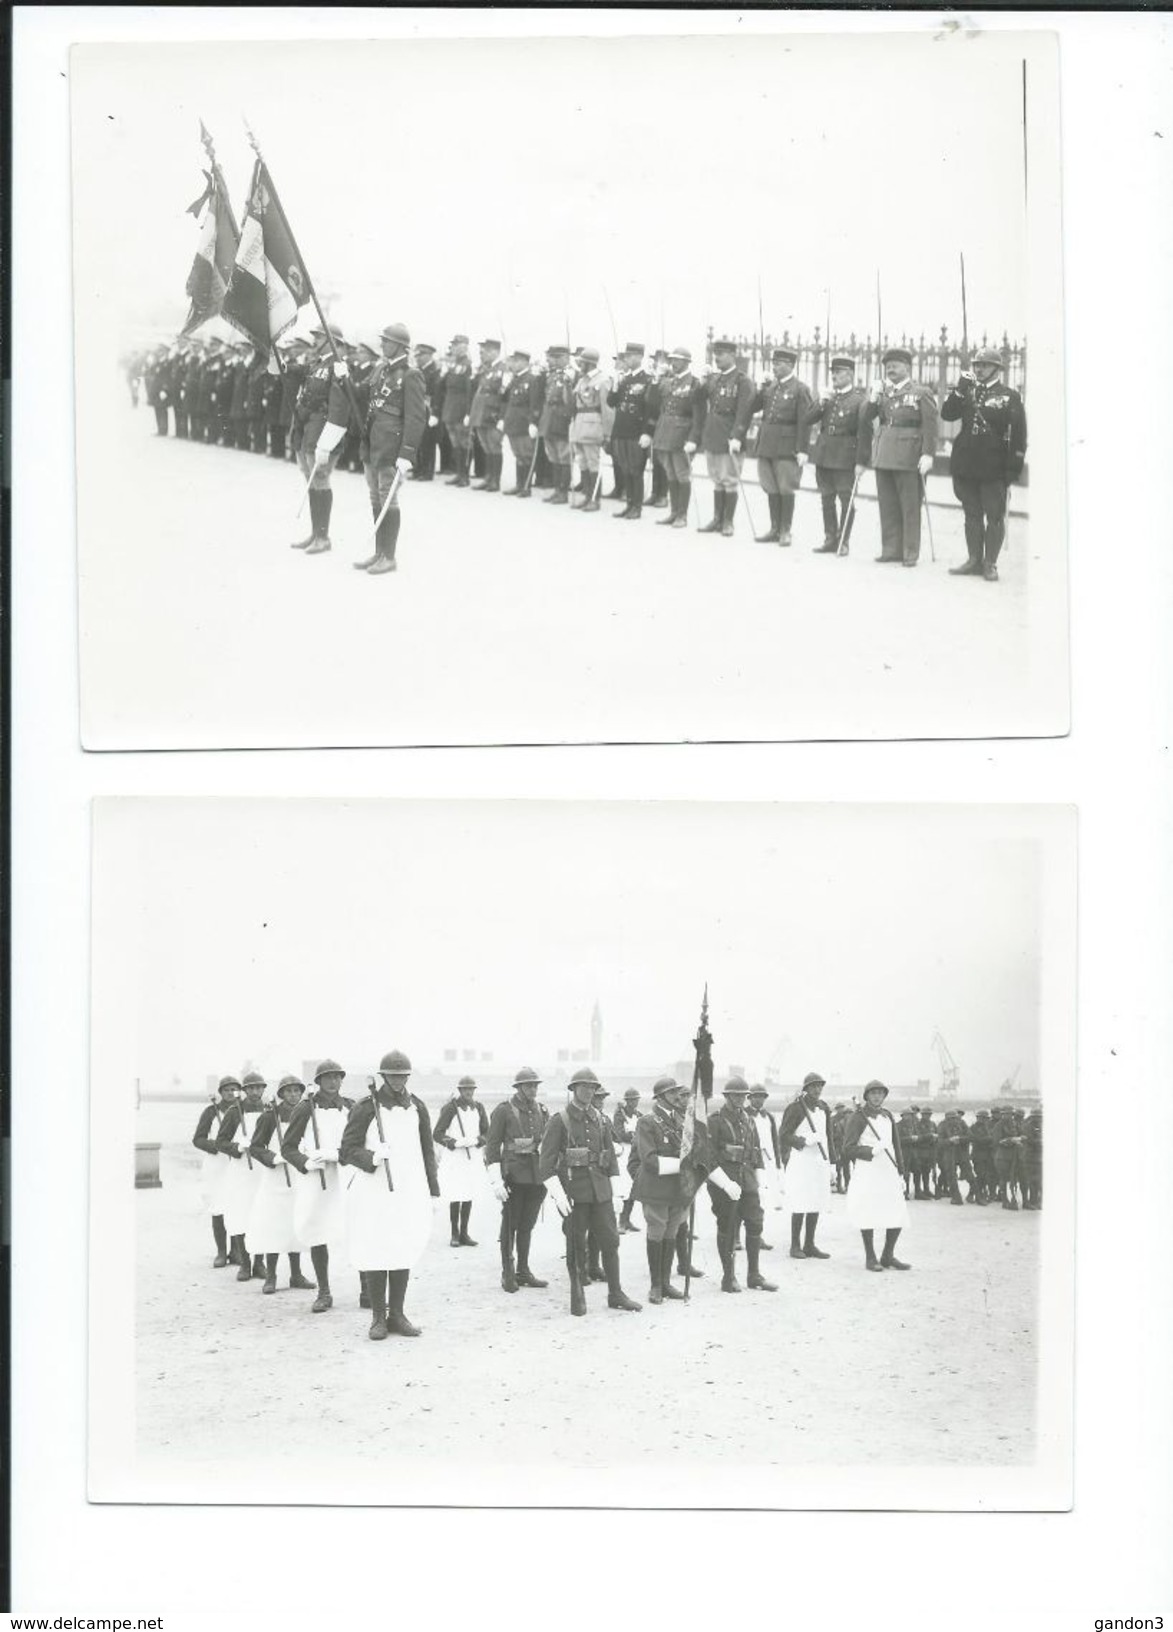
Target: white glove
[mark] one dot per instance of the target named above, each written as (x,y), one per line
(876,390)
(403,466)
(925,463)
(433,421)
(278,1159)
(802,459)
(559,1197)
(645,441)
(533,430)
(341,371)
(668,1165)
(465,420)
(501,426)
(734,444)
(329,1153)
(690,448)
(723,1182)
(381,1152)
(328,439)
(315,1161)
(497,1183)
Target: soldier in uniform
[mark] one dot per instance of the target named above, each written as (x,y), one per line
(511,1158)
(320,417)
(554,421)
(591,425)
(733,1186)
(981,1144)
(433,376)
(772,1179)
(1032,1192)
(926,1155)
(291,382)
(462,1129)
(487,412)
(842,450)
(875,1197)
(988,454)
(578,1163)
(214,1167)
(396,412)
(209,385)
(1008,1158)
(727,400)
(840,1116)
(237,1126)
(523,402)
(805,1135)
(256,398)
(311,1144)
(661,370)
(786,405)
(158,382)
(623,1126)
(678,431)
(662,1187)
(952,1141)
(909,1130)
(179,376)
(902,454)
(634,405)
(238,426)
(270,1221)
(455,406)
(388,1197)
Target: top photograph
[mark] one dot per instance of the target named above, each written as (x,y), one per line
(669,388)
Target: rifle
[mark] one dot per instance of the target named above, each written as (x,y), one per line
(964,320)
(818,1141)
(379,1129)
(276,1109)
(317,1140)
(243,1136)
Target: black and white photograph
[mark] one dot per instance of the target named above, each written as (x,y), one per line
(436,1119)
(768,300)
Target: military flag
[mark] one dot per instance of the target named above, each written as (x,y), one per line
(269,285)
(211,269)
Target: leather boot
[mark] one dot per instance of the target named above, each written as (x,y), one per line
(683,1267)
(785,518)
(888,1257)
(667,1253)
(244,1273)
(871,1261)
(376,1285)
(220,1261)
(361,566)
(617,1298)
(754,1278)
(808,1246)
(321,543)
(463,456)
(270,1273)
(659,496)
(729,1281)
(304,543)
(561,493)
(320,1258)
(508,1273)
(684,491)
(673,505)
(625,1224)
(717,525)
(258,1267)
(574,1270)
(466,1240)
(655,1291)
(730,507)
(796,1236)
(454,1223)
(398,1324)
(971,569)
(364,1297)
(297,1280)
(525,1276)
(772,536)
(385,542)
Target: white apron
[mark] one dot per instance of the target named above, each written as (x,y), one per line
(875,1196)
(270,1222)
(214,1171)
(389,1229)
(318,1218)
(462,1171)
(621,1183)
(808,1175)
(771,1176)
(240,1182)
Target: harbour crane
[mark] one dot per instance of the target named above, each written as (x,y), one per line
(950,1074)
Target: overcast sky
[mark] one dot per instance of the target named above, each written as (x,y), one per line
(503,185)
(834,938)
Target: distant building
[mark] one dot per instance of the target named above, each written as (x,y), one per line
(596,1033)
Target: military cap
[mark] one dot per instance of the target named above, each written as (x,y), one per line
(988,354)
(631,1093)
(395,1064)
(876,1084)
(658,353)
(840,1105)
(227,1082)
(331,329)
(589,354)
(683,352)
(397,332)
(602,1093)
(633,346)
(466,1082)
(897,354)
(725,345)
(736,1085)
(813,1077)
(254,1079)
(784,351)
(662,1085)
(583,1074)
(423,345)
(370,350)
(526,1074)
(843,362)
(758,1092)
(983,1113)
(289,1082)
(496,343)
(329,1068)
(519,351)
(459,340)
(558,351)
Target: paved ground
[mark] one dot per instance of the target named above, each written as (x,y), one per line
(520,622)
(933,1368)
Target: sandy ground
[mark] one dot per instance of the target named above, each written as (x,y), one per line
(947,1352)
(517,622)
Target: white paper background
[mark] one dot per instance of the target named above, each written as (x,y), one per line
(1109,1556)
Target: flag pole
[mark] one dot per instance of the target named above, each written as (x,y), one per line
(218,176)
(702,1038)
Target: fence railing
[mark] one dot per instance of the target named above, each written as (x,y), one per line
(934,363)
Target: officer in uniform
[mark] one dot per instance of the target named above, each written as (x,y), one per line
(215,1165)
(842,450)
(952,1141)
(678,431)
(981,1145)
(523,401)
(311,1144)
(733,1185)
(511,1157)
(554,423)
(424,469)
(634,405)
(488,411)
(727,398)
(320,417)
(292,377)
(661,369)
(804,1136)
(455,406)
(1032,1194)
(926,1155)
(663,1189)
(591,425)
(785,404)
(395,419)
(902,454)
(623,1126)
(988,455)
(578,1162)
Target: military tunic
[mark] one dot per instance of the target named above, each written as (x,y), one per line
(578,1146)
(843,440)
(557,409)
(523,400)
(906,421)
(395,421)
(988,454)
(322,397)
(456,401)
(516,1128)
(736,1150)
(727,404)
(488,405)
(784,406)
(680,411)
(633,399)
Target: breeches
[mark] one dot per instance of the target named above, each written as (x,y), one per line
(663,1220)
(779,475)
(722,471)
(747,1210)
(676,463)
(984,504)
(322,473)
(490,438)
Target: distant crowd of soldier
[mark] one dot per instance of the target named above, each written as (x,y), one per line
(356,1179)
(340,405)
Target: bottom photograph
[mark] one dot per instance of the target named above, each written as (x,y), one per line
(653,1154)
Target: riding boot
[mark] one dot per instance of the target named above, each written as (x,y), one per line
(659,486)
(258,1267)
(320,1258)
(729,1282)
(463,456)
(454,1222)
(655,1257)
(297,1280)
(808,1246)
(385,541)
(684,498)
(673,504)
(772,536)
(525,1275)
(785,518)
(668,1249)
(730,507)
(617,1298)
(325,506)
(717,524)
(508,1273)
(796,1236)
(376,1285)
(397,1322)
(754,1278)
(315,509)
(270,1272)
(220,1261)
(888,1257)
(683,1265)
(240,1256)
(869,1247)
(466,1240)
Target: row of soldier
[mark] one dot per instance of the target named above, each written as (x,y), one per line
(357,1179)
(337,405)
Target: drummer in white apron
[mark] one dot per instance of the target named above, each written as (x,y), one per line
(462,1130)
(214,1165)
(270,1223)
(388,1192)
(237,1127)
(875,1196)
(623,1125)
(804,1136)
(772,1174)
(310,1144)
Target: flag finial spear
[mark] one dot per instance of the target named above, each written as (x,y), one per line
(251,134)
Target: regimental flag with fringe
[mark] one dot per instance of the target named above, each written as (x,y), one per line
(207,282)
(269,285)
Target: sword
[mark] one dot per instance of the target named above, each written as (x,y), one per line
(842,550)
(305,495)
(387,502)
(924,493)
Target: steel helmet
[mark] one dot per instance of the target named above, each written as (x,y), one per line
(395,1064)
